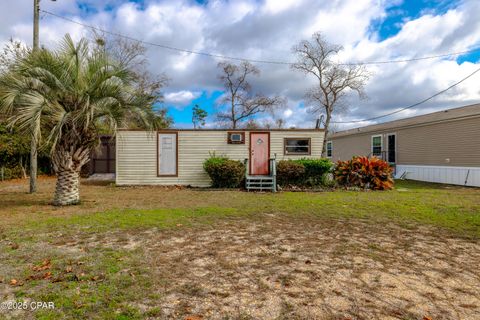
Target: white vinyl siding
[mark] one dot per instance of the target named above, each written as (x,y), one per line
(464,176)
(137,154)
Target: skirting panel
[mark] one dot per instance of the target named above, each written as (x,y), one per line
(464,176)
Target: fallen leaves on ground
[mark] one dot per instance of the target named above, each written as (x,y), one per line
(46,264)
(15,282)
(14,246)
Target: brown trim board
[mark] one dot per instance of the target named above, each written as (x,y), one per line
(176,154)
(297,138)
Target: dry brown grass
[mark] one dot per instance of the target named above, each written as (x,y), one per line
(269,261)
(273,267)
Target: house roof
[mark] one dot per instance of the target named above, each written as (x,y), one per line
(440,116)
(230,130)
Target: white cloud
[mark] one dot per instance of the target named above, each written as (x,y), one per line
(181,98)
(287,113)
(275,6)
(267,30)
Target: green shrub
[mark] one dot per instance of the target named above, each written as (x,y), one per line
(315,170)
(363,172)
(290,172)
(224,172)
(11,172)
(303,172)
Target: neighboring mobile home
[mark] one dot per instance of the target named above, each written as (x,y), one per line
(175,157)
(441,147)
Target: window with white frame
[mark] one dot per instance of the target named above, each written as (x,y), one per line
(377,145)
(329,149)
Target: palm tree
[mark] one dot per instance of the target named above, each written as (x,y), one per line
(69,94)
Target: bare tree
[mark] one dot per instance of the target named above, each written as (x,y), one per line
(252,124)
(334,80)
(11,52)
(132,55)
(280,123)
(239,101)
(273,123)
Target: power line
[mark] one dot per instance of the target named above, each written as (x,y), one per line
(412,59)
(214,55)
(290,63)
(415,104)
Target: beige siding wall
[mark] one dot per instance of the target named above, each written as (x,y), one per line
(277,140)
(452,143)
(137,154)
(345,148)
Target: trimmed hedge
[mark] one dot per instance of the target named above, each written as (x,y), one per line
(290,172)
(303,172)
(224,172)
(316,170)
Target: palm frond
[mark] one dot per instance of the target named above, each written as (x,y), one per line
(70,93)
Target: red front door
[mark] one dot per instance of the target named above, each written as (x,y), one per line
(259,153)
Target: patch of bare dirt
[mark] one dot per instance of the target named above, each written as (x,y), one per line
(279,267)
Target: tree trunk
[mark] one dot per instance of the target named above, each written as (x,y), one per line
(67,188)
(67,164)
(24,171)
(33,164)
(326,132)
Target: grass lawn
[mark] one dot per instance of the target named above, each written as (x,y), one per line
(170,253)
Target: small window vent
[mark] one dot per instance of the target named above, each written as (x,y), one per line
(236,137)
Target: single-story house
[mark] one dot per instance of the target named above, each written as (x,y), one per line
(176,156)
(442,147)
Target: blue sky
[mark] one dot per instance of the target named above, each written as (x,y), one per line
(182,115)
(391,25)
(369,30)
(398,14)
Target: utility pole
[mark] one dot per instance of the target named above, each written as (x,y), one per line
(33,143)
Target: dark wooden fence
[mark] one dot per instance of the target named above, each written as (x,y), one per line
(103,157)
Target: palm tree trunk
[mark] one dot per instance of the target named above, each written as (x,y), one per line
(67,164)
(67,189)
